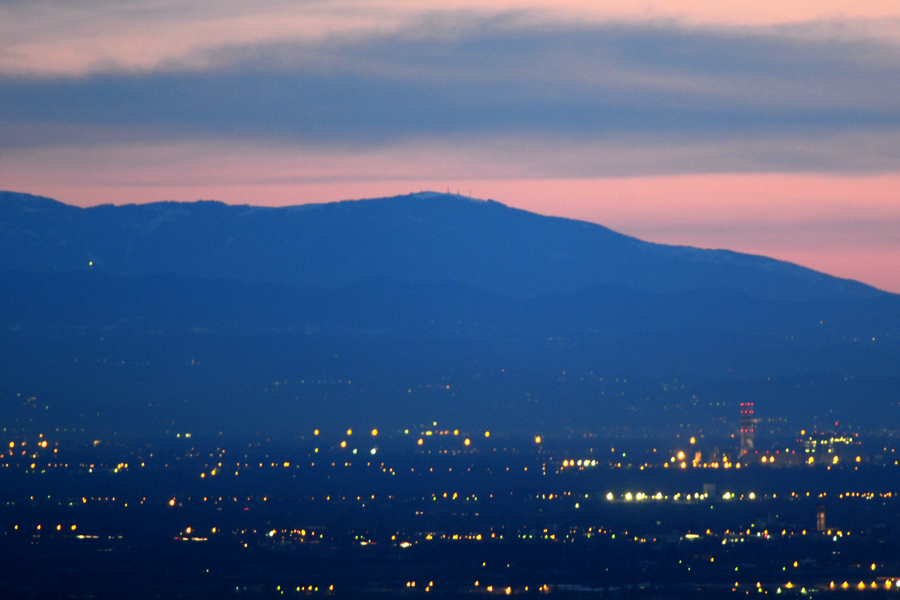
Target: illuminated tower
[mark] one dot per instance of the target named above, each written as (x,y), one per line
(820,517)
(746,427)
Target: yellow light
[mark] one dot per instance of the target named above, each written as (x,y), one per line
(374,432)
(537,440)
(343,444)
(680,455)
(683,465)
(858,459)
(609,496)
(467,441)
(693,440)
(287,464)
(487,434)
(349,432)
(421,441)
(172,502)
(315,432)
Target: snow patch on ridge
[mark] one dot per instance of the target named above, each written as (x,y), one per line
(430,195)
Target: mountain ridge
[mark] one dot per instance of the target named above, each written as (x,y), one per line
(209,317)
(417,237)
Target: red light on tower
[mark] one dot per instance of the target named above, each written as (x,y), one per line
(746,427)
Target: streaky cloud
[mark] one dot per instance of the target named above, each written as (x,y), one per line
(739,100)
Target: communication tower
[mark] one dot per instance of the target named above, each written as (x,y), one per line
(746,427)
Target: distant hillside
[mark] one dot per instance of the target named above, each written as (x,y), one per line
(396,311)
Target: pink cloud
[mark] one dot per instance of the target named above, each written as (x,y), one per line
(62,38)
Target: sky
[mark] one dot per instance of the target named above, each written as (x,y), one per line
(770,127)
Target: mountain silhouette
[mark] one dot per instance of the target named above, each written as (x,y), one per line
(425,237)
(214,317)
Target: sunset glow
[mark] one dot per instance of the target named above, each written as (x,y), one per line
(732,125)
